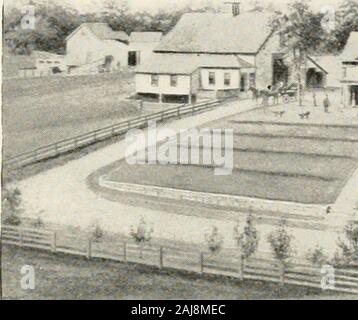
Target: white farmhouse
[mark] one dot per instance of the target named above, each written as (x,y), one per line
(93,47)
(141,46)
(48,63)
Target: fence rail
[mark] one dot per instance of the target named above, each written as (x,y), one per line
(222,264)
(70,144)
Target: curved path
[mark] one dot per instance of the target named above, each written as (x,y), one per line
(62,196)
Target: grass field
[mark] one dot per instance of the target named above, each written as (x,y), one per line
(41,111)
(67,277)
(306,164)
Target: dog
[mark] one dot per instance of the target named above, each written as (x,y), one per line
(305,115)
(279,113)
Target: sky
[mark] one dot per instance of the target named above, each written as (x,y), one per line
(155,5)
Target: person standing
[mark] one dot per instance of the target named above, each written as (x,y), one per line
(326,103)
(314,99)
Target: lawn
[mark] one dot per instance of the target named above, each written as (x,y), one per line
(307,164)
(40,111)
(68,277)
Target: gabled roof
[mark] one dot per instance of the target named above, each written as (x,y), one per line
(350,51)
(46,55)
(167,63)
(218,33)
(102,31)
(145,36)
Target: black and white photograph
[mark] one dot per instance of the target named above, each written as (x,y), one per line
(179,150)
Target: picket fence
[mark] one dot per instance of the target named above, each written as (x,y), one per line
(184,259)
(71,144)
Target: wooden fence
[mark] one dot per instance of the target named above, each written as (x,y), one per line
(223,264)
(63,146)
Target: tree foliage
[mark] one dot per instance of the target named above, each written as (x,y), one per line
(214,240)
(248,240)
(53,23)
(348,245)
(280,241)
(11,206)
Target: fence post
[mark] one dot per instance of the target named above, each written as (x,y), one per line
(21,238)
(54,242)
(241,267)
(161,257)
(282,270)
(201,262)
(89,249)
(178,111)
(125,251)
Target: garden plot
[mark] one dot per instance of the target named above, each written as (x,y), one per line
(301,163)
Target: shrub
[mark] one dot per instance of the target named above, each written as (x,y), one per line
(38,223)
(96,232)
(214,240)
(317,257)
(347,252)
(248,240)
(141,234)
(11,206)
(280,242)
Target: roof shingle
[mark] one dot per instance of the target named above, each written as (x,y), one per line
(218,33)
(103,31)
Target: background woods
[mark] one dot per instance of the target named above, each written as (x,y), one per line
(55,22)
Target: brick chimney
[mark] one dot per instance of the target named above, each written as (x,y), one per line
(235,6)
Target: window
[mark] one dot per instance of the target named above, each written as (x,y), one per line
(227,78)
(41,61)
(173,80)
(154,80)
(133,58)
(212,78)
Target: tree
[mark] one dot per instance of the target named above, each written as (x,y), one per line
(348,245)
(317,257)
(214,240)
(11,206)
(300,33)
(280,242)
(248,240)
(141,234)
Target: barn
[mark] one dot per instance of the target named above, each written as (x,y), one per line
(218,54)
(95,46)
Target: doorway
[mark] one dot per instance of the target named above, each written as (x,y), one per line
(280,71)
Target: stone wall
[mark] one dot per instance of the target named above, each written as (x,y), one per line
(236,202)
